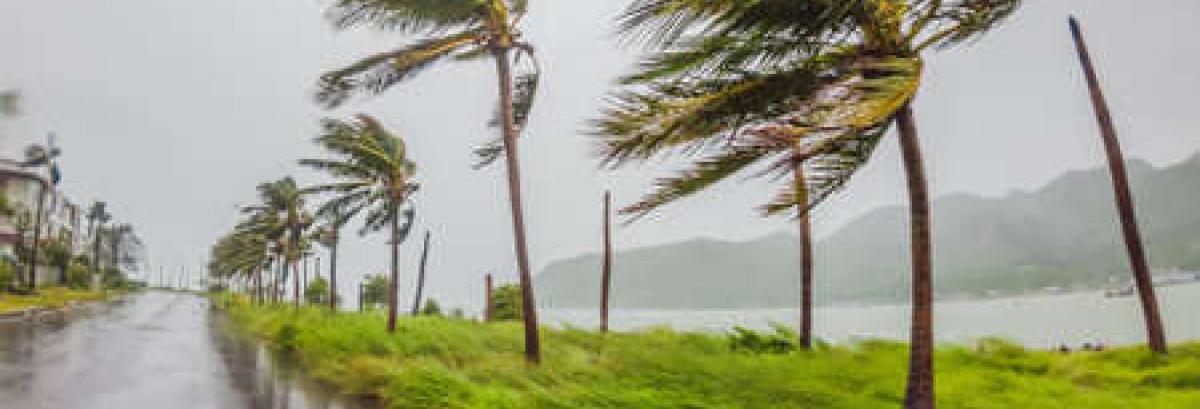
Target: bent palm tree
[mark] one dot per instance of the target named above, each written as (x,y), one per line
(454,30)
(373,175)
(781,85)
(1128,215)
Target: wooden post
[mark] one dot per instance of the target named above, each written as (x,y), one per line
(606,274)
(416,309)
(487,298)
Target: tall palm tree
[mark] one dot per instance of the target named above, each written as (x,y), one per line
(778,84)
(330,235)
(285,200)
(37,155)
(97,216)
(374,177)
(1125,207)
(453,30)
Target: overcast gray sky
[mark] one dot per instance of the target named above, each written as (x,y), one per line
(174,111)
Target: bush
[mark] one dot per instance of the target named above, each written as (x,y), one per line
(506,303)
(317,292)
(431,308)
(8,276)
(79,276)
(783,340)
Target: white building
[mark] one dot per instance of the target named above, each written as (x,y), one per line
(61,219)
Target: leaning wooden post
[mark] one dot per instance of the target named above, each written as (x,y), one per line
(606,274)
(487,298)
(1125,208)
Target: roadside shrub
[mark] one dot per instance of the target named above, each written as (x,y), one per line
(783,340)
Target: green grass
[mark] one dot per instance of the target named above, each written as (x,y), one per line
(55,297)
(441,363)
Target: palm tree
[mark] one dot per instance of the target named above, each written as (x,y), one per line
(97,216)
(373,175)
(453,30)
(1125,207)
(39,156)
(285,200)
(329,236)
(782,84)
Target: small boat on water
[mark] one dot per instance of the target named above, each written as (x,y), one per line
(1159,281)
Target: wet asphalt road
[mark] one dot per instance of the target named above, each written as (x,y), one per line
(153,350)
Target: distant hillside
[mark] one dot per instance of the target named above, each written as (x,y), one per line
(1063,235)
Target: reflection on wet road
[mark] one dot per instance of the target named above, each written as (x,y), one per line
(154,350)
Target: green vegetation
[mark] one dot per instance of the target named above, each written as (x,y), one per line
(317,291)
(374,291)
(431,308)
(443,363)
(46,298)
(506,303)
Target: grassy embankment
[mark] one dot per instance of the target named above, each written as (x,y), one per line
(55,297)
(441,363)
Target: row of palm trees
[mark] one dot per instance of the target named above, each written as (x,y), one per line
(372,179)
(800,91)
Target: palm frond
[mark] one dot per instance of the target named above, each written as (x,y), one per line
(410,16)
(703,174)
(525,89)
(962,21)
(375,74)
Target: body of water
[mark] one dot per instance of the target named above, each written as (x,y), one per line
(1045,321)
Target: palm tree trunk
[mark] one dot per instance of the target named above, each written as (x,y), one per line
(296,283)
(281,281)
(1125,207)
(393,284)
(256,292)
(95,284)
(333,276)
(37,237)
(529,307)
(421,276)
(806,263)
(606,273)
(920,393)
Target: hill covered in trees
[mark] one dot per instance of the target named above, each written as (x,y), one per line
(1062,235)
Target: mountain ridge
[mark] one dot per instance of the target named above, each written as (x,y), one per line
(1063,234)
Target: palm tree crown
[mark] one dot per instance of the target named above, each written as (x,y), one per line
(775,83)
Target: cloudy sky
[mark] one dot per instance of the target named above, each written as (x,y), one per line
(173,112)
